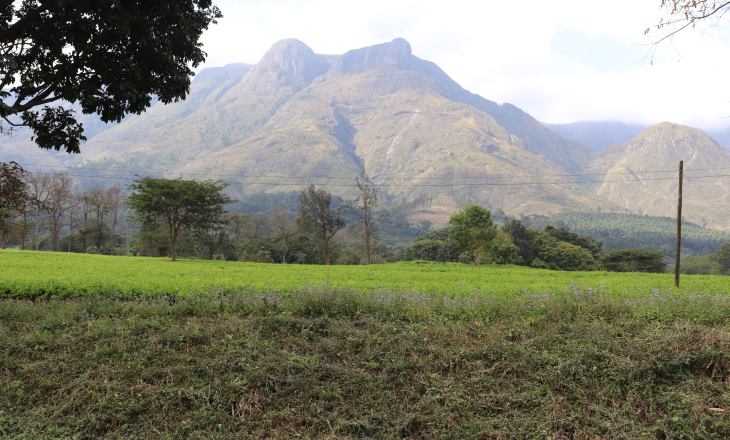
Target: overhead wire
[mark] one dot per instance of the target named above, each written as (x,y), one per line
(410,185)
(389,178)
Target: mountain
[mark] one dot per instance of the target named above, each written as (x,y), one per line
(298,117)
(641,175)
(306,117)
(598,134)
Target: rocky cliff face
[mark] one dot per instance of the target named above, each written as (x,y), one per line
(288,63)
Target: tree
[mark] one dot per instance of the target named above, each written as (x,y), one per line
(586,242)
(681,14)
(722,257)
(364,207)
(39,187)
(60,200)
(181,205)
(472,229)
(115,203)
(108,56)
(559,255)
(284,229)
(13,188)
(634,260)
(521,239)
(316,217)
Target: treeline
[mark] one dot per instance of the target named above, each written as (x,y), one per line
(621,230)
(175,217)
(550,248)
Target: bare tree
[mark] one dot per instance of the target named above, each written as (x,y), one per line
(115,202)
(284,228)
(99,206)
(75,216)
(39,187)
(59,202)
(364,207)
(129,222)
(681,14)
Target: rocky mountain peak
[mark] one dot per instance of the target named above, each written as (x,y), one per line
(398,53)
(288,62)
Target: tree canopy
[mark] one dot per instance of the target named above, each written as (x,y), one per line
(110,57)
(317,218)
(182,205)
(472,228)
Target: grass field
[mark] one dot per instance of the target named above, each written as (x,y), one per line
(516,354)
(60,274)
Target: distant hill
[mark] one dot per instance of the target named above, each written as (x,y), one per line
(641,175)
(598,134)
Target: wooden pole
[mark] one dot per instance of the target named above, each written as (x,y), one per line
(679,225)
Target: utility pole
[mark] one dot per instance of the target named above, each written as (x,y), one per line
(679,225)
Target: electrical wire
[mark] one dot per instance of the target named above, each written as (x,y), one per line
(409,185)
(389,178)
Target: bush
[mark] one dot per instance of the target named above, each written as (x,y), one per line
(634,260)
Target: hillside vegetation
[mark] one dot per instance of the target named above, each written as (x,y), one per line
(622,230)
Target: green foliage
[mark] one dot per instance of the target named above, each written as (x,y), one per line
(722,257)
(586,242)
(472,228)
(625,231)
(316,217)
(435,246)
(694,265)
(521,238)
(501,250)
(13,190)
(633,260)
(149,50)
(182,205)
(559,255)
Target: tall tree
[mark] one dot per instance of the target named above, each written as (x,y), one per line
(59,202)
(722,257)
(284,229)
(98,200)
(317,218)
(521,238)
(364,207)
(115,203)
(39,187)
(472,228)
(108,56)
(182,205)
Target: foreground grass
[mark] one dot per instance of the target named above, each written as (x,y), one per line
(334,363)
(26,274)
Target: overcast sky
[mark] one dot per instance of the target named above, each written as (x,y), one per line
(561,61)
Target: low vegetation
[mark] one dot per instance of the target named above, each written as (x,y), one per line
(31,274)
(325,362)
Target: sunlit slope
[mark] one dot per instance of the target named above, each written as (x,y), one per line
(633,180)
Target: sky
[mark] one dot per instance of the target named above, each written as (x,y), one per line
(561,60)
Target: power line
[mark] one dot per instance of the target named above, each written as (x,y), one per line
(389,178)
(410,185)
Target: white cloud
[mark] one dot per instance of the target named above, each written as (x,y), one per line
(506,51)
